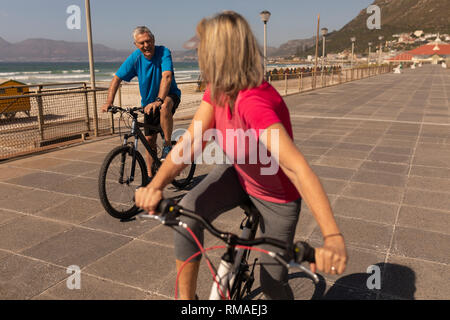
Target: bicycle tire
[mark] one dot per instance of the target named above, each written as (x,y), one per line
(184,178)
(182,183)
(113,201)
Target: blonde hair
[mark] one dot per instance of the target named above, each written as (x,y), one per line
(229,56)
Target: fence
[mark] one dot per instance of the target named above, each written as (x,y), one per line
(57,114)
(54,114)
(287,82)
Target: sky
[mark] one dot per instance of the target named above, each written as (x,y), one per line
(172,21)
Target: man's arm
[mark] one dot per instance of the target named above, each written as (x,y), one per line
(113,87)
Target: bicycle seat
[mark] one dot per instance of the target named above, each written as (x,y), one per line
(249,207)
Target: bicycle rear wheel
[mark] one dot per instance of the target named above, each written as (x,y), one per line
(116,186)
(184,177)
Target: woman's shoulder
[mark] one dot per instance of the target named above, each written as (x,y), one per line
(265,94)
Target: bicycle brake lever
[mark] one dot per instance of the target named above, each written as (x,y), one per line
(311,274)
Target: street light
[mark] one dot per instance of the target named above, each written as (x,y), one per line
(368,59)
(324,34)
(265,15)
(381,48)
(353,39)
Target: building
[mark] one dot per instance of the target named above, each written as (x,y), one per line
(434,52)
(9,107)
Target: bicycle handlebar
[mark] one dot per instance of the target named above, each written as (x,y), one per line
(169,211)
(131,110)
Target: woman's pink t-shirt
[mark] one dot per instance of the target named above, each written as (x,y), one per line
(255,110)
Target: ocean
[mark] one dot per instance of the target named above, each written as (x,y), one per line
(57,72)
(60,72)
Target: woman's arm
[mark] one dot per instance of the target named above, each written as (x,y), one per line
(148,198)
(296,168)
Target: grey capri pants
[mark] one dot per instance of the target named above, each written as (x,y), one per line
(221,191)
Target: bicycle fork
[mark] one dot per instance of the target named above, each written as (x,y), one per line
(133,161)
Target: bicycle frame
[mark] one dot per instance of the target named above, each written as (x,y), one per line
(138,135)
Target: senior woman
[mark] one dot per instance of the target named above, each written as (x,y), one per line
(238,98)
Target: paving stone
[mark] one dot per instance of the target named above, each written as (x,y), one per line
(76,247)
(365,209)
(32,201)
(340,162)
(73,210)
(387,167)
(136,264)
(374,192)
(332,172)
(389,157)
(25,232)
(10,172)
(92,288)
(6,216)
(427,199)
(392,180)
(426,219)
(362,234)
(421,244)
(430,184)
(22,278)
(431,172)
(133,227)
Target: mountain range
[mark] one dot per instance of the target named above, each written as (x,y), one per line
(46,50)
(397,16)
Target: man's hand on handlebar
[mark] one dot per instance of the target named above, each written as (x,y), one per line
(151,107)
(148,199)
(106,106)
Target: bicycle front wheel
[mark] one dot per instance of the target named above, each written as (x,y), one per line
(116,183)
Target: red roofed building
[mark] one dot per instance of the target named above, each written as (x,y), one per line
(433,52)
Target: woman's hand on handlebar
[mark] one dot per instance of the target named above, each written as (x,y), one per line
(148,198)
(332,257)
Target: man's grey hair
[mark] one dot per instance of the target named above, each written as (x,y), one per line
(142,29)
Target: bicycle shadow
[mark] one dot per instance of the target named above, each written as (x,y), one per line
(397,282)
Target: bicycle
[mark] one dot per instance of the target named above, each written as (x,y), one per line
(124,168)
(235,276)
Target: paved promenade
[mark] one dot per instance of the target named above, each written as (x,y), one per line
(381,147)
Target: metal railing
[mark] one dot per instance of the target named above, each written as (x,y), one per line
(49,114)
(287,82)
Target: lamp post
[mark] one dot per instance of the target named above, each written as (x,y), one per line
(324,34)
(368,58)
(87,5)
(265,15)
(381,48)
(353,39)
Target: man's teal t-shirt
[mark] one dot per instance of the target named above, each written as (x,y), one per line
(149,73)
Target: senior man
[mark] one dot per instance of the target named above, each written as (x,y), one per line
(159,92)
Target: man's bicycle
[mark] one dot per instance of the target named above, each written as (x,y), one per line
(124,168)
(235,276)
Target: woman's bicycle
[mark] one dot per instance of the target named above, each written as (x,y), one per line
(235,276)
(124,168)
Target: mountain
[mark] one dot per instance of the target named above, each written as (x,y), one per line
(292,47)
(45,50)
(397,16)
(3,43)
